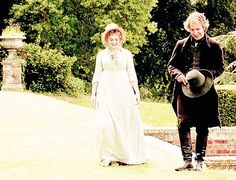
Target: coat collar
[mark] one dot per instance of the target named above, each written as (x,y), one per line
(206,40)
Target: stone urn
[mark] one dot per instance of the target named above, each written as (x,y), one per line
(12,64)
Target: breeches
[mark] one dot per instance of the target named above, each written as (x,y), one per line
(189,112)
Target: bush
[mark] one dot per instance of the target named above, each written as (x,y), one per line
(48,70)
(156,93)
(74,86)
(226,78)
(227,108)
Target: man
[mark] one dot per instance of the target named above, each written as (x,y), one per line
(194,63)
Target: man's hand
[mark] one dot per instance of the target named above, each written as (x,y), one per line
(182,79)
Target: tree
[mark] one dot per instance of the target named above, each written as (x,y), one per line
(5,6)
(153,58)
(221,14)
(75,26)
(228,42)
(170,15)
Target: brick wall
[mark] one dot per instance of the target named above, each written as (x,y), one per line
(221,141)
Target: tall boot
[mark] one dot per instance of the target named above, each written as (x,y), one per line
(186,148)
(186,145)
(201,144)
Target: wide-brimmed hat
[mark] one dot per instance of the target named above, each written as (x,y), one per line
(199,83)
(111,27)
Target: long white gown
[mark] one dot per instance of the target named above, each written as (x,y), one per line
(120,132)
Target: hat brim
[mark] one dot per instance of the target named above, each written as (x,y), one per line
(104,34)
(204,89)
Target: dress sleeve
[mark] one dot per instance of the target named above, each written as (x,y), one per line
(98,69)
(130,68)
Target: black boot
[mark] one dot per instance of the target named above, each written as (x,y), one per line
(201,144)
(186,145)
(186,166)
(186,148)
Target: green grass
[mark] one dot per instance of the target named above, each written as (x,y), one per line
(157,114)
(153,113)
(36,145)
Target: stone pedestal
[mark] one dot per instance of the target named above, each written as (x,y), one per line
(11,65)
(11,73)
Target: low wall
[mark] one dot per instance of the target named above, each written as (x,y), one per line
(221,141)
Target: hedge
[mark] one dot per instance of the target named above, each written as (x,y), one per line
(227,106)
(49,70)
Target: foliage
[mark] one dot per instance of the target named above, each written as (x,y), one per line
(12,30)
(226,78)
(170,15)
(74,26)
(221,15)
(153,57)
(228,41)
(152,93)
(232,67)
(5,6)
(73,86)
(48,70)
(227,106)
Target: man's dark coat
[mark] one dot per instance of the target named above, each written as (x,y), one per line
(211,59)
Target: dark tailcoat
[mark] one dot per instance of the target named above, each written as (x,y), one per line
(211,58)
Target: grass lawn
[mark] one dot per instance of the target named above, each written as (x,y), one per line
(153,113)
(43,139)
(157,114)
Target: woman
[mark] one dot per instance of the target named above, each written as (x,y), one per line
(115,94)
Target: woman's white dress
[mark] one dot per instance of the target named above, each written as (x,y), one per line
(120,133)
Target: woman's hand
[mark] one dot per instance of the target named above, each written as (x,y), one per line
(137,98)
(94,94)
(93,100)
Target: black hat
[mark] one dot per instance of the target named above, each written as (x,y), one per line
(199,83)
